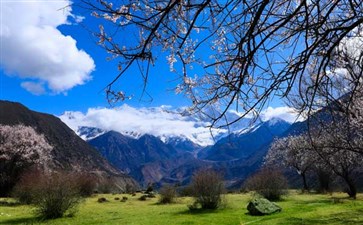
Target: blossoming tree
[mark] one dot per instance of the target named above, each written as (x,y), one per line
(20,148)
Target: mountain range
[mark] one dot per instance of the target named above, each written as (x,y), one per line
(151,159)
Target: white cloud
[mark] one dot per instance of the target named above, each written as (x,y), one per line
(156,121)
(159,121)
(34,49)
(33,87)
(285,113)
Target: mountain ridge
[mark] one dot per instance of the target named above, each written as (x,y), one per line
(70,152)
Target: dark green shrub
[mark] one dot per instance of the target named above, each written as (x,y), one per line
(143,198)
(149,189)
(167,194)
(101,200)
(151,195)
(207,189)
(268,182)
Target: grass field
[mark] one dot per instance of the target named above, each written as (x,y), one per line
(297,209)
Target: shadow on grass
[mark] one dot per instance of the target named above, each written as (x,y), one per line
(32,220)
(328,201)
(6,203)
(198,211)
(337,218)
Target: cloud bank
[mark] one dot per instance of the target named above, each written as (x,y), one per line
(33,49)
(158,121)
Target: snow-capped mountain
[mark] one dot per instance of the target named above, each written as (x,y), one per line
(246,142)
(162,122)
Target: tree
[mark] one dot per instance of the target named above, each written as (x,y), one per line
(334,147)
(323,149)
(244,52)
(294,152)
(20,148)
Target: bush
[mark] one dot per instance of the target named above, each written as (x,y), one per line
(151,195)
(167,194)
(101,200)
(130,189)
(55,195)
(150,188)
(143,198)
(268,182)
(207,189)
(105,186)
(86,183)
(52,195)
(24,189)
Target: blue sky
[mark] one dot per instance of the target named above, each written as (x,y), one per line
(78,97)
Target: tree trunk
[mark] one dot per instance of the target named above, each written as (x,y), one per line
(305,183)
(352,189)
(324,178)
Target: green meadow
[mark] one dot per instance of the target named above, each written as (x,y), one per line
(297,209)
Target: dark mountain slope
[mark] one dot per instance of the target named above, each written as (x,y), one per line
(70,152)
(127,153)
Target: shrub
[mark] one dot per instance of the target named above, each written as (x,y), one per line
(207,189)
(268,182)
(24,189)
(151,195)
(185,191)
(54,195)
(150,188)
(130,189)
(86,183)
(31,181)
(167,194)
(101,200)
(105,186)
(143,198)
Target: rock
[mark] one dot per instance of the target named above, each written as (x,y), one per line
(262,206)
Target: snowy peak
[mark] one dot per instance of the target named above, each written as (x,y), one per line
(89,133)
(160,122)
(276,121)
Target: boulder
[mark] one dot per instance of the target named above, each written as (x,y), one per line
(262,206)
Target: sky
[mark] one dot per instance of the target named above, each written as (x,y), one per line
(48,56)
(51,63)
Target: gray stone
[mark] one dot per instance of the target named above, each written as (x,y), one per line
(262,206)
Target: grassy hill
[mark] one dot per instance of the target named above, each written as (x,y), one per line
(297,209)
